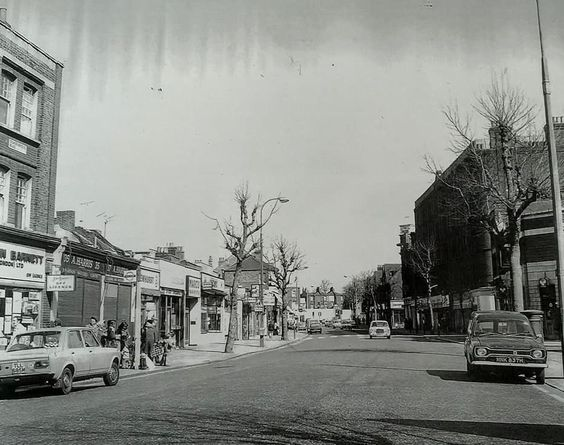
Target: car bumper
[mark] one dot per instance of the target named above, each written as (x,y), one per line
(509,365)
(24,380)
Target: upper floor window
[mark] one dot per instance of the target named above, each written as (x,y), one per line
(7,98)
(4,191)
(29,111)
(23,202)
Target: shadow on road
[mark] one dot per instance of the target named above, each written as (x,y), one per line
(538,433)
(42,391)
(461,376)
(355,350)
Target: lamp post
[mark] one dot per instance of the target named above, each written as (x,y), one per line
(261,290)
(554,180)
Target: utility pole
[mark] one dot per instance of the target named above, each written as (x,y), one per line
(555,183)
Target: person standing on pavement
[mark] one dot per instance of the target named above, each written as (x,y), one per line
(17,326)
(150,339)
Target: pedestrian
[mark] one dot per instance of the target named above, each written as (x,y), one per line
(122,334)
(150,339)
(276,328)
(111,337)
(17,326)
(57,323)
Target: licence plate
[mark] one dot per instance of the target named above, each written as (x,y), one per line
(18,368)
(510,359)
(379,331)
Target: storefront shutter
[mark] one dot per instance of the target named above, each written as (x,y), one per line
(91,306)
(70,305)
(123,303)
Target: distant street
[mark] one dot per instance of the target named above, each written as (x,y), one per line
(337,387)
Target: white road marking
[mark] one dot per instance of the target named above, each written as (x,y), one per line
(550,393)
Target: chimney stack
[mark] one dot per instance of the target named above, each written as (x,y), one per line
(4,16)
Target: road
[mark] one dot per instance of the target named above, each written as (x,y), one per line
(338,387)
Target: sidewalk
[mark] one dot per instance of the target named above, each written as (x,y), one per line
(213,352)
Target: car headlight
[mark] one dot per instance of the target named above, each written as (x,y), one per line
(39,364)
(537,353)
(481,352)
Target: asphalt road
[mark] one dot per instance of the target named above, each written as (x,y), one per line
(338,387)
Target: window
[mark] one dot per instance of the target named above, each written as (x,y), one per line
(89,339)
(7,98)
(4,191)
(23,201)
(74,340)
(29,111)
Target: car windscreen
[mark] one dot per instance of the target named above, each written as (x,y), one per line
(380,324)
(505,326)
(34,340)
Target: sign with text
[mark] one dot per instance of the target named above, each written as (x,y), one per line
(194,287)
(73,262)
(149,279)
(213,283)
(60,283)
(22,262)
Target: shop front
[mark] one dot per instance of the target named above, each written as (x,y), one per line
(213,326)
(149,282)
(22,285)
(100,289)
(193,308)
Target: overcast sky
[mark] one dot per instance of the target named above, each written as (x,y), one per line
(169,105)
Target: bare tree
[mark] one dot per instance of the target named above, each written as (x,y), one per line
(493,187)
(286,259)
(325,286)
(239,241)
(422,259)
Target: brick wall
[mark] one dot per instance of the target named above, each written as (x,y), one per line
(37,155)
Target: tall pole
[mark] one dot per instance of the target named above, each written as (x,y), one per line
(555,183)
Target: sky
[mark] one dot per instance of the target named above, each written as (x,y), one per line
(168,106)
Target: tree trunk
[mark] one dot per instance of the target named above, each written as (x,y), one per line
(284,323)
(233,313)
(516,271)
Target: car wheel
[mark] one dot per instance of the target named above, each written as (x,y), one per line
(7,390)
(65,381)
(112,377)
(389,336)
(371,337)
(540,377)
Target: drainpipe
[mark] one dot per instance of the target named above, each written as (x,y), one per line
(56,270)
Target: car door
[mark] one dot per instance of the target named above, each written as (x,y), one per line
(78,353)
(97,356)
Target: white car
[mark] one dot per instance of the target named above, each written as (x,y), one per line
(56,357)
(379,328)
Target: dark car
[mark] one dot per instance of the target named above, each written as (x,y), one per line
(504,341)
(314,326)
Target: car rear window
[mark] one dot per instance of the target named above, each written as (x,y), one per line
(379,324)
(35,340)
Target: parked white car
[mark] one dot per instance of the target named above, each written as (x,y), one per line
(56,357)
(379,328)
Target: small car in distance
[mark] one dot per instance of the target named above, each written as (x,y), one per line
(56,357)
(347,324)
(337,324)
(379,328)
(314,326)
(504,341)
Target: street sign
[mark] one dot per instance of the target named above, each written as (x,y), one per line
(60,283)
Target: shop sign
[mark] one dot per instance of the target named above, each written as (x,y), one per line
(214,283)
(396,304)
(22,263)
(149,279)
(60,283)
(73,262)
(172,292)
(172,276)
(440,301)
(194,287)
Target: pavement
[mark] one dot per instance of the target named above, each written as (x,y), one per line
(214,352)
(334,388)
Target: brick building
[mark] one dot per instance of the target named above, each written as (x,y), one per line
(30,96)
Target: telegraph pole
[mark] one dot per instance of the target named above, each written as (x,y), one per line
(555,182)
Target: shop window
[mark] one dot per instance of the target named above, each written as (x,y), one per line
(4,193)
(29,111)
(7,98)
(23,202)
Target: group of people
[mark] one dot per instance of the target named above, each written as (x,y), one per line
(154,347)
(110,335)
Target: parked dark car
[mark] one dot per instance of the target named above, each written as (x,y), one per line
(504,341)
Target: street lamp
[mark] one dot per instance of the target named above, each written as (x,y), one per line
(261,290)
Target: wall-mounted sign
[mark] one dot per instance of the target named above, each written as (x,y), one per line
(130,276)
(18,146)
(60,283)
(73,262)
(194,287)
(149,279)
(213,283)
(22,262)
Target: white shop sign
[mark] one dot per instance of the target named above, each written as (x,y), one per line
(194,287)
(22,262)
(60,283)
(149,279)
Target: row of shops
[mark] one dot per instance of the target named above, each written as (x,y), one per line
(45,278)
